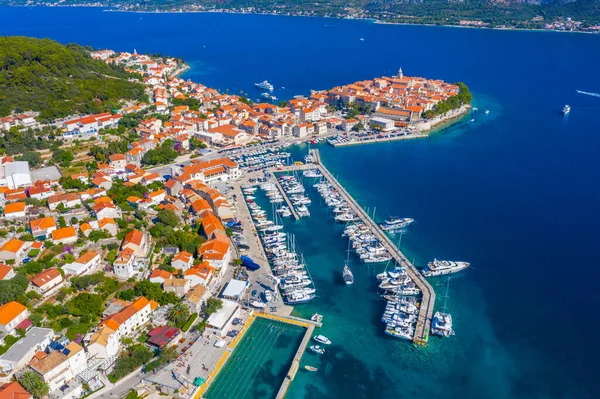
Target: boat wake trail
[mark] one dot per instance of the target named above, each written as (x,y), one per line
(588,94)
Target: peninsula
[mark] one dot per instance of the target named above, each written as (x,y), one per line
(130,240)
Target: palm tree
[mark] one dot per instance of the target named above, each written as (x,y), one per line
(178,314)
(33,383)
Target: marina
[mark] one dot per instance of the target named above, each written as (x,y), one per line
(425,311)
(287,201)
(285,260)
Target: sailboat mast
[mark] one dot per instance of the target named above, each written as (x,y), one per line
(446,296)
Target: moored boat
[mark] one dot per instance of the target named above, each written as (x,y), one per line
(347,275)
(441,324)
(443,267)
(317,318)
(322,339)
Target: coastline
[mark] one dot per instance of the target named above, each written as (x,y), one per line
(372,20)
(448,119)
(378,22)
(180,71)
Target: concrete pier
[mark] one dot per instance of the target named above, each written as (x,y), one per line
(428,299)
(287,200)
(295,363)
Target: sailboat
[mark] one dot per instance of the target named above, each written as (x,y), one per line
(347,273)
(441,324)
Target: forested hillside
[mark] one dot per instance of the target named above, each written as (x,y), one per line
(515,13)
(56,80)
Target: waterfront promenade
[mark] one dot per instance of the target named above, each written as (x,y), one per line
(428,295)
(371,140)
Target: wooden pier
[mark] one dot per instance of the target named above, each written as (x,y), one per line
(428,299)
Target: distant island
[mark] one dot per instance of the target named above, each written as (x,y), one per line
(559,15)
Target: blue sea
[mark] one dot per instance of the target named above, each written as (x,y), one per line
(516,192)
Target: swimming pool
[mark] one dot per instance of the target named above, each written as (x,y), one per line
(260,362)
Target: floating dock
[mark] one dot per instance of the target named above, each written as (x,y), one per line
(428,299)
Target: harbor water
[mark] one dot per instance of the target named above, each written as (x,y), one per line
(515,192)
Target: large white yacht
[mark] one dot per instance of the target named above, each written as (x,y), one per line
(395,223)
(442,267)
(265,85)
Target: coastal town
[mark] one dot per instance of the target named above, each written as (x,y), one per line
(133,255)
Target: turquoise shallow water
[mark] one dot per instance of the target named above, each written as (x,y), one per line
(515,192)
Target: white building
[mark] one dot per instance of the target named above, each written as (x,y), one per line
(83,264)
(221,321)
(15,174)
(104,343)
(235,289)
(182,260)
(11,315)
(384,124)
(47,282)
(54,369)
(132,317)
(125,265)
(19,355)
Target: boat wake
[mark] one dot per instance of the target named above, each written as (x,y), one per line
(588,94)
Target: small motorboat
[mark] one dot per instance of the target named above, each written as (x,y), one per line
(257,304)
(317,349)
(317,318)
(310,368)
(322,339)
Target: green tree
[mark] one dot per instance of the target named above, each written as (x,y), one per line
(197,144)
(161,155)
(212,305)
(178,314)
(34,158)
(168,217)
(85,304)
(358,127)
(34,384)
(68,183)
(97,235)
(62,157)
(11,289)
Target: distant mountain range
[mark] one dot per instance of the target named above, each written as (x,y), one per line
(492,13)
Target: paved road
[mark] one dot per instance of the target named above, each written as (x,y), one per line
(120,388)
